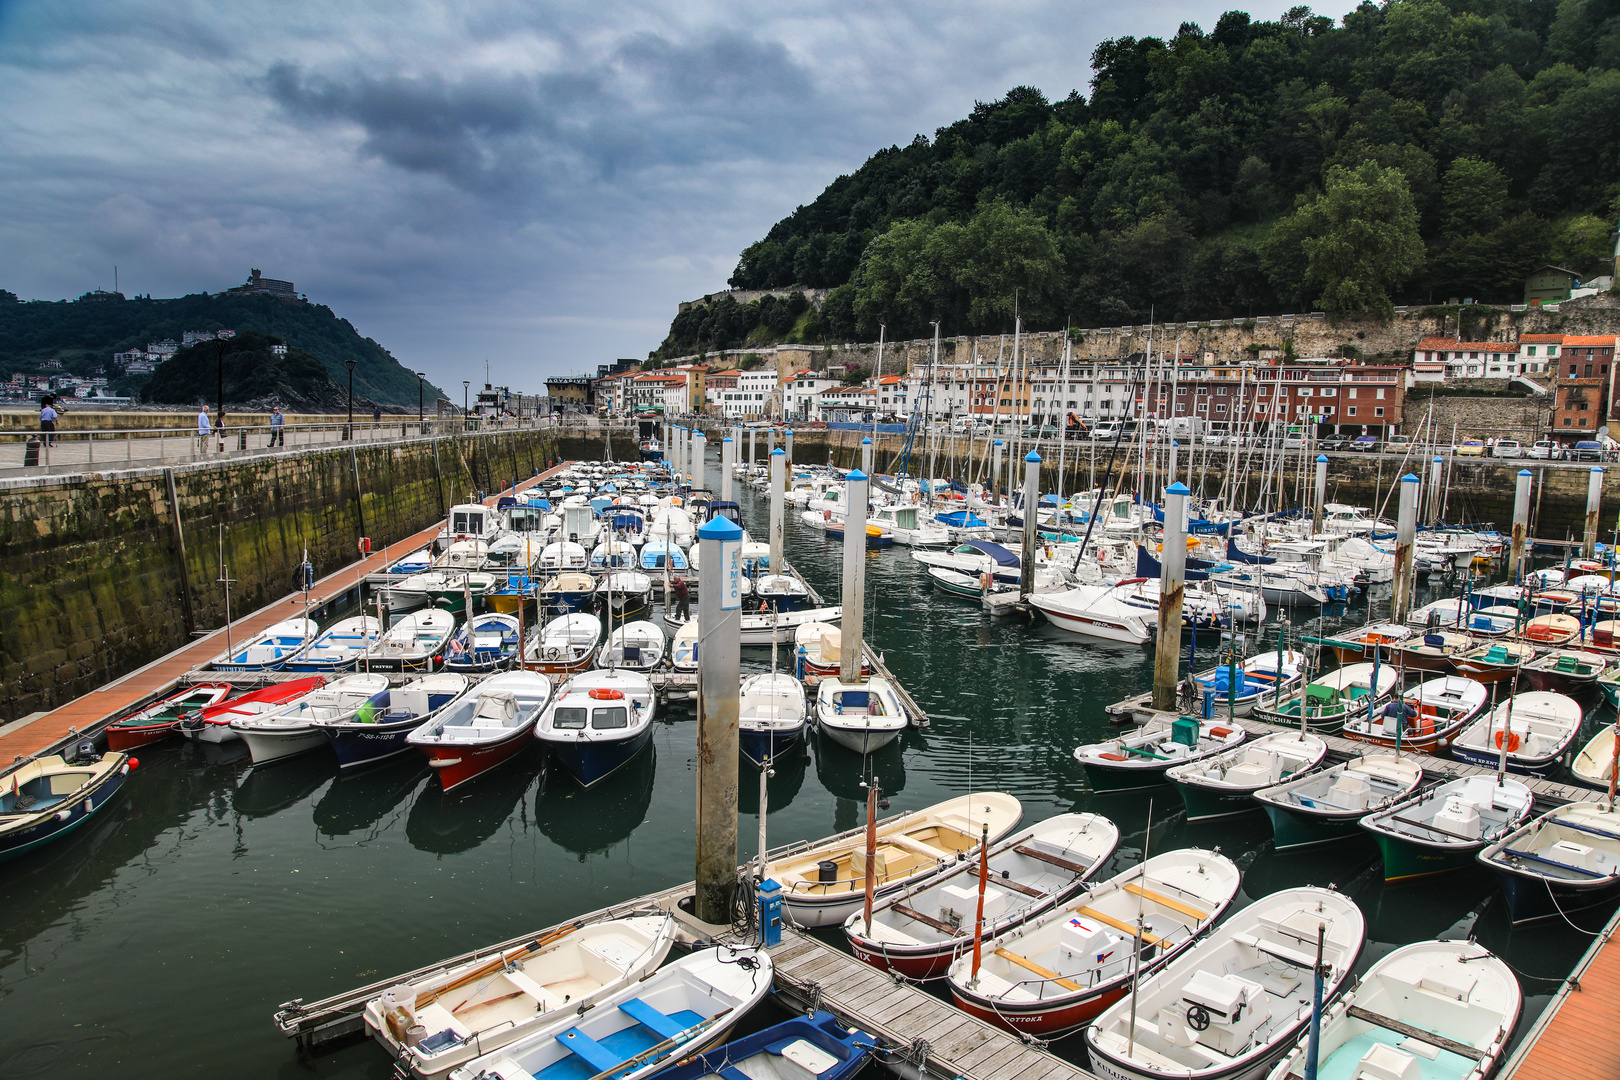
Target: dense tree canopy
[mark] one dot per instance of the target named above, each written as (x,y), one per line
(1492,126)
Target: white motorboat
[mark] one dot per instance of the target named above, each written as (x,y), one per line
(487,726)
(1224,784)
(1095,611)
(635,646)
(1594,766)
(613,554)
(488,1003)
(414,642)
(860,716)
(683,648)
(1325,806)
(1432,1009)
(271,648)
(1139,758)
(380,727)
(295,728)
(598,721)
(1565,860)
(771,715)
(1427,717)
(680,1010)
(825,882)
(340,648)
(761,628)
(1265,675)
(1063,968)
(463,555)
(625,592)
(1534,728)
(564,555)
(1233,1004)
(908,526)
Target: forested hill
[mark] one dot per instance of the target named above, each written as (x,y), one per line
(1417,151)
(84,334)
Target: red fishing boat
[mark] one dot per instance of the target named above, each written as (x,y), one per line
(159,719)
(486,727)
(213,724)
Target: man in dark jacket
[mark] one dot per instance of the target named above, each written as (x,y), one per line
(682,596)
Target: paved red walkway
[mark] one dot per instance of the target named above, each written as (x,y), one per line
(1581,1041)
(123,693)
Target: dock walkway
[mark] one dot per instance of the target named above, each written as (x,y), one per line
(86,714)
(1576,1038)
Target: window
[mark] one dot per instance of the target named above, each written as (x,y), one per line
(1552,350)
(608,719)
(1220,391)
(1588,375)
(1181,391)
(1260,408)
(1378,412)
(1352,391)
(574,719)
(1531,351)
(1327,411)
(1567,421)
(1203,390)
(1571,375)
(1220,408)
(1351,411)
(1380,395)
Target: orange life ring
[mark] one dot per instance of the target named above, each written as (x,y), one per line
(603,693)
(826,515)
(1512,740)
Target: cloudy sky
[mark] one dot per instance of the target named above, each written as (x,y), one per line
(533,184)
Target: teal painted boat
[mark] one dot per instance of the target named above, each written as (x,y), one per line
(1224,785)
(1446,826)
(1327,806)
(1140,757)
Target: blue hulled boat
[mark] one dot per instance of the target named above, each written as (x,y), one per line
(379,729)
(816,1045)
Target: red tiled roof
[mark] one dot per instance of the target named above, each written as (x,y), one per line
(1539,339)
(1605,340)
(1452,345)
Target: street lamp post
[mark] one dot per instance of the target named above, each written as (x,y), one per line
(466,413)
(421,417)
(348,432)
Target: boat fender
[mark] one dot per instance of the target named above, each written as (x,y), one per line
(604,693)
(63,815)
(1512,739)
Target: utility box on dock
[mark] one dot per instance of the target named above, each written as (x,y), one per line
(770,913)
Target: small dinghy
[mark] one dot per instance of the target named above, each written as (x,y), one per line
(1565,860)
(483,643)
(861,717)
(160,719)
(485,1004)
(293,729)
(683,648)
(1567,671)
(414,642)
(824,883)
(1326,806)
(213,724)
(1236,1001)
(1140,757)
(566,593)
(1594,765)
(44,798)
(562,556)
(635,646)
(379,728)
(565,645)
(1436,650)
(1257,678)
(919,931)
(598,721)
(816,1047)
(818,650)
(1224,785)
(340,648)
(486,727)
(684,1008)
(1534,729)
(1328,701)
(1443,828)
(1494,661)
(271,649)
(1061,970)
(771,715)
(625,592)
(1427,717)
(1432,1010)
(782,592)
(1364,642)
(1547,631)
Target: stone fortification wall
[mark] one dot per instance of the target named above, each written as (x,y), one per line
(108,571)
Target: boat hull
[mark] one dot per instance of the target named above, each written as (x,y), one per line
(1293,829)
(1522,766)
(1103,777)
(591,762)
(1559,682)
(757,745)
(1529,900)
(860,740)
(565,603)
(1034,1020)
(456,765)
(361,747)
(275,745)
(1405,860)
(84,806)
(128,738)
(1206,803)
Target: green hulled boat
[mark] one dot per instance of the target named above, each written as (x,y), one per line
(1224,785)
(1327,806)
(1446,826)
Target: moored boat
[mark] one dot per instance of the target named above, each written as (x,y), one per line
(625,592)
(1060,970)
(1426,718)
(270,649)
(415,642)
(565,593)
(1234,1003)
(159,719)
(564,645)
(1433,650)
(212,724)
(1530,731)
(1140,757)
(818,652)
(1444,827)
(598,721)
(771,715)
(813,1047)
(918,932)
(1594,765)
(1363,643)
(1494,661)
(486,727)
(859,716)
(1566,671)
(635,646)
(1431,1009)
(823,883)
(292,729)
(1326,806)
(1266,674)
(1565,860)
(1550,631)
(46,797)
(340,647)
(1224,784)
(483,643)
(1329,700)
(379,728)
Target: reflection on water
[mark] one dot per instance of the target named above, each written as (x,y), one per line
(445,824)
(202,898)
(587,820)
(781,788)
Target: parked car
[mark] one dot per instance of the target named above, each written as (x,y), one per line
(1398,442)
(1507,448)
(1045,431)
(1332,443)
(1470,448)
(1545,450)
(1366,444)
(1586,450)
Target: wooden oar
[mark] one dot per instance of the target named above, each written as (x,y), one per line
(668,1044)
(495,965)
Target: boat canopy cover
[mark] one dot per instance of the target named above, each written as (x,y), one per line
(1149,567)
(1237,555)
(961,519)
(1002,556)
(728,510)
(626,517)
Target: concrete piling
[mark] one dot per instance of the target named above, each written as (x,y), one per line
(1405,533)
(857,492)
(719,680)
(1032,503)
(995,473)
(866,456)
(1594,496)
(778,498)
(728,461)
(1521,523)
(1172,587)
(1321,491)
(700,465)
(1432,514)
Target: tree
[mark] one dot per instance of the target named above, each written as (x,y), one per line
(1475,194)
(1353,244)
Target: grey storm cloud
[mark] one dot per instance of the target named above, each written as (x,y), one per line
(651,102)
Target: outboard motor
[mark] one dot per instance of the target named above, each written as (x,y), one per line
(85,753)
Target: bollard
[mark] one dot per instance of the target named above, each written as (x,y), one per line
(31,452)
(1405,531)
(1172,587)
(719,682)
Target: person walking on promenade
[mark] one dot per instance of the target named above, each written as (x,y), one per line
(682,595)
(204,429)
(47,419)
(278,427)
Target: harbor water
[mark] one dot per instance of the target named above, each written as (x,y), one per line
(159,943)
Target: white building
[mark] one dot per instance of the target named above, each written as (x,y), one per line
(801,394)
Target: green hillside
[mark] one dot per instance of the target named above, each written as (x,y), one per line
(84,334)
(1417,151)
(252,373)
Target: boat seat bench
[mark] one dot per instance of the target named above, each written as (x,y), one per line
(1166,901)
(1030,965)
(665,1027)
(1120,924)
(1048,857)
(589,1050)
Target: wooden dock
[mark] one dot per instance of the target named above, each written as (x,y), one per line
(930,1035)
(1576,1037)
